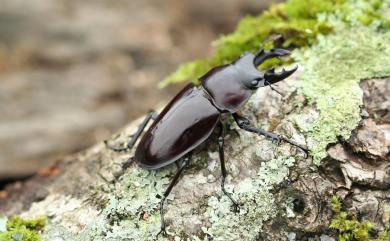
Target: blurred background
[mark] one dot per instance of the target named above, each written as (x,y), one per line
(72,71)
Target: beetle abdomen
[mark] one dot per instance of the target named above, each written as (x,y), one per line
(186,122)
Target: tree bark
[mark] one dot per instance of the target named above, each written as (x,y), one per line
(99,194)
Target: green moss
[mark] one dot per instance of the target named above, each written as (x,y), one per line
(23,229)
(294,23)
(365,12)
(290,24)
(348,228)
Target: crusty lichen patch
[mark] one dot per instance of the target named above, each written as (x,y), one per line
(333,70)
(133,207)
(130,213)
(334,66)
(258,204)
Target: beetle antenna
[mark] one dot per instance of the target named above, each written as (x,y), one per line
(272,88)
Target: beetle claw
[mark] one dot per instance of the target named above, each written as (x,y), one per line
(277,140)
(304,149)
(115,148)
(162,231)
(272,77)
(236,207)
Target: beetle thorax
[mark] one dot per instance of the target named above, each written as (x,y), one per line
(225,88)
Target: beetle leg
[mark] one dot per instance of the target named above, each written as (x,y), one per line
(245,124)
(150,116)
(184,164)
(221,142)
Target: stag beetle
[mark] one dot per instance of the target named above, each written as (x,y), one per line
(193,114)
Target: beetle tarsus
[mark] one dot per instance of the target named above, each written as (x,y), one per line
(244,124)
(152,115)
(304,149)
(115,148)
(221,142)
(162,228)
(184,164)
(236,205)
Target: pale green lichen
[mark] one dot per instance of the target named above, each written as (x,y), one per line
(259,204)
(131,212)
(134,209)
(333,70)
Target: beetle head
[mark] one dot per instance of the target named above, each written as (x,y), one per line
(251,77)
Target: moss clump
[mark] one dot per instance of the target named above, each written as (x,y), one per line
(19,229)
(295,23)
(290,24)
(365,12)
(349,228)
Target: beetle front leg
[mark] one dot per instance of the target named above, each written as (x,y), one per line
(150,116)
(184,164)
(221,141)
(245,124)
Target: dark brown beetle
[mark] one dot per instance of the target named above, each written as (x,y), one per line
(190,118)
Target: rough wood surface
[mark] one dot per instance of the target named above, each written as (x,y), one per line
(98,194)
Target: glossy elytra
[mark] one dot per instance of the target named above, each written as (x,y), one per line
(193,114)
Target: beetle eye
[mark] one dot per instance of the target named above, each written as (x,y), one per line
(254,82)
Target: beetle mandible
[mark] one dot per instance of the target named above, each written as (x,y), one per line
(193,114)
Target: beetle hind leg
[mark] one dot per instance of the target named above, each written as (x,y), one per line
(221,142)
(184,163)
(150,116)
